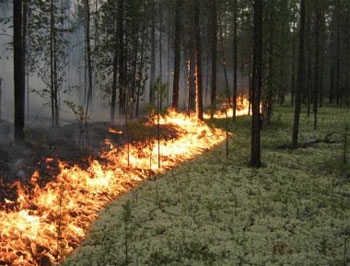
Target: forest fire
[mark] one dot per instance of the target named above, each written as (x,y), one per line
(45,223)
(227,110)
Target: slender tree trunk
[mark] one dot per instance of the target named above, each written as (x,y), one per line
(152,77)
(255,158)
(337,71)
(160,46)
(235,60)
(160,42)
(26,72)
(293,69)
(19,75)
(300,80)
(140,76)
(188,79)
(307,95)
(271,74)
(55,76)
(121,58)
(115,77)
(214,26)
(317,64)
(198,69)
(88,57)
(0,98)
(52,58)
(250,82)
(331,85)
(177,51)
(227,89)
(168,63)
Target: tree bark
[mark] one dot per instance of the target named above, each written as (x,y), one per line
(19,74)
(267,106)
(0,98)
(152,77)
(115,78)
(177,51)
(317,63)
(214,27)
(300,80)
(88,56)
(52,69)
(198,69)
(235,61)
(121,57)
(255,158)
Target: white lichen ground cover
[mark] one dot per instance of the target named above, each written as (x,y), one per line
(216,210)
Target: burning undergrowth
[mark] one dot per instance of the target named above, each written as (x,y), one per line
(46,216)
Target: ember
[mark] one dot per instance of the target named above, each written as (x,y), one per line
(45,223)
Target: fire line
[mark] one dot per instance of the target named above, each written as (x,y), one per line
(49,222)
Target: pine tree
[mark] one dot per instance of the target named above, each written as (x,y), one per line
(19,75)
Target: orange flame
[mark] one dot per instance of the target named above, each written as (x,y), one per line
(114,131)
(227,111)
(49,222)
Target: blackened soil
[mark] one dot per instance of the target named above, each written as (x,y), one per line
(44,147)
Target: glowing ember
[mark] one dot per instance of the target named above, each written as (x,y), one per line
(47,223)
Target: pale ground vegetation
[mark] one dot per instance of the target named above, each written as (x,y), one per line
(216,210)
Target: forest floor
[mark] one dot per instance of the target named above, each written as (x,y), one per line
(69,143)
(216,210)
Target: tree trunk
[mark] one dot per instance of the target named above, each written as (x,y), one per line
(52,69)
(152,77)
(88,57)
(317,64)
(26,72)
(0,98)
(235,61)
(19,75)
(115,78)
(255,158)
(177,51)
(121,57)
(140,77)
(308,93)
(300,80)
(198,68)
(292,98)
(337,71)
(271,66)
(214,26)
(160,44)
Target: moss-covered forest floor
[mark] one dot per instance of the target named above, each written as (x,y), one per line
(216,210)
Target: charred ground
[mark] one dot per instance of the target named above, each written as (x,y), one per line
(44,147)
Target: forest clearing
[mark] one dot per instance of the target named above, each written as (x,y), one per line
(174,132)
(216,210)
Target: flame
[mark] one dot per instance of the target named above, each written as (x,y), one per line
(44,224)
(114,131)
(227,111)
